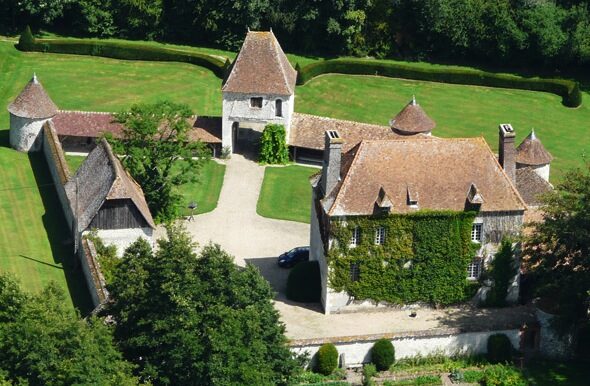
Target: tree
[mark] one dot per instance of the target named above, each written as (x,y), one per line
(159,154)
(191,319)
(43,341)
(502,272)
(559,246)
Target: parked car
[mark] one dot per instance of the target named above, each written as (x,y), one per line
(294,256)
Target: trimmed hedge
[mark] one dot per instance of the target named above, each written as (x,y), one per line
(383,354)
(123,50)
(327,359)
(304,282)
(569,90)
(499,348)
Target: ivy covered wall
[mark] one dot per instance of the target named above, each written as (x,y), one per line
(424,257)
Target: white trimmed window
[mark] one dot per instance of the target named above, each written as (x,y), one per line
(474,269)
(380,236)
(476,232)
(355,238)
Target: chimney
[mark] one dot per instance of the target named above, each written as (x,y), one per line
(507,151)
(332,158)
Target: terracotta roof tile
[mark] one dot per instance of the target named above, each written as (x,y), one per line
(396,164)
(532,152)
(412,119)
(261,67)
(33,102)
(530,186)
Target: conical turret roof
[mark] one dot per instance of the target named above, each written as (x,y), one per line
(412,120)
(532,152)
(33,102)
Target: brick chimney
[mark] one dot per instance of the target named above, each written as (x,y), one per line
(507,151)
(332,161)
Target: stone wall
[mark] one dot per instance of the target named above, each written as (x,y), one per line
(551,344)
(357,349)
(122,238)
(92,273)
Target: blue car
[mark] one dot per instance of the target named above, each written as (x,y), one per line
(294,256)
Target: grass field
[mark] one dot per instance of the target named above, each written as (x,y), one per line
(285,193)
(204,192)
(33,231)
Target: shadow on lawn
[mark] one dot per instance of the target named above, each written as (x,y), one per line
(58,234)
(4,141)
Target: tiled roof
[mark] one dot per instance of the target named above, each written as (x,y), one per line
(412,119)
(439,171)
(206,129)
(307,131)
(532,152)
(261,67)
(102,177)
(33,102)
(530,185)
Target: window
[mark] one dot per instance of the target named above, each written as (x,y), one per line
(355,239)
(279,107)
(474,269)
(256,102)
(476,232)
(380,236)
(355,272)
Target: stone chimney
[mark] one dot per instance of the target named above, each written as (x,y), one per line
(332,161)
(507,151)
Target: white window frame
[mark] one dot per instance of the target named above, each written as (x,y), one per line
(474,269)
(477,232)
(380,236)
(355,238)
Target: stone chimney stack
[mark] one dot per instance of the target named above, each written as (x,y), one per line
(332,161)
(507,151)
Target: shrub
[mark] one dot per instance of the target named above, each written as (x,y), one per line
(499,348)
(303,283)
(26,40)
(502,271)
(501,375)
(273,145)
(569,90)
(383,354)
(369,371)
(327,359)
(472,376)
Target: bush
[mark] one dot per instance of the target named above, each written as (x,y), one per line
(502,271)
(273,145)
(26,40)
(499,348)
(303,283)
(327,359)
(569,90)
(123,50)
(383,354)
(369,371)
(500,375)
(472,376)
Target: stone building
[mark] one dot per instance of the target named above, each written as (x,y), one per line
(260,88)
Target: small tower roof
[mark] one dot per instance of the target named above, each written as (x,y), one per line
(261,67)
(33,102)
(412,120)
(532,152)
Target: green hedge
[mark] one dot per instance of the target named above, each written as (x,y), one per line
(126,51)
(499,348)
(383,354)
(569,90)
(327,359)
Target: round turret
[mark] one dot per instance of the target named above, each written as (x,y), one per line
(29,111)
(531,153)
(412,120)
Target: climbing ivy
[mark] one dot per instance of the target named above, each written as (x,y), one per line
(273,145)
(424,257)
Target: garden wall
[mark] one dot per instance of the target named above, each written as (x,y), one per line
(92,273)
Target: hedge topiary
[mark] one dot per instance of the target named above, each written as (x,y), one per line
(383,354)
(303,283)
(273,145)
(26,41)
(499,348)
(327,359)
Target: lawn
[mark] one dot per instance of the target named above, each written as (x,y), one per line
(459,111)
(285,193)
(33,236)
(204,192)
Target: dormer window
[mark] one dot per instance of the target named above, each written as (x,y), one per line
(256,102)
(355,239)
(411,196)
(279,108)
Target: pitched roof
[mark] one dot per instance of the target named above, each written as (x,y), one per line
(261,67)
(412,119)
(33,102)
(100,178)
(439,171)
(530,186)
(532,152)
(307,131)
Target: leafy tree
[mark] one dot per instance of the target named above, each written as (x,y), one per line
(43,341)
(191,319)
(502,272)
(159,154)
(273,145)
(559,246)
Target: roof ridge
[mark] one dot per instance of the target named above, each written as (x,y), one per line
(361,146)
(277,53)
(341,120)
(85,112)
